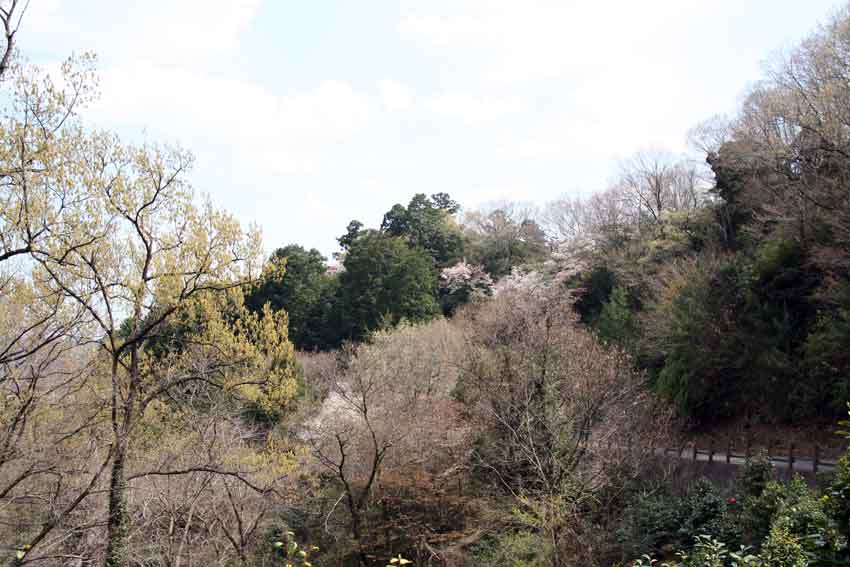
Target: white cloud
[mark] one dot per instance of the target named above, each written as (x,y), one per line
(533,148)
(474,109)
(395,96)
(177,32)
(543,39)
(281,134)
(194,29)
(158,76)
(167,72)
(597,80)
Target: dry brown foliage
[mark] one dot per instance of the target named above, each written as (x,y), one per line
(564,417)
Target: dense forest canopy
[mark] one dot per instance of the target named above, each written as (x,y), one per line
(458,386)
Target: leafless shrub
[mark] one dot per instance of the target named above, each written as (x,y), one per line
(388,413)
(563,416)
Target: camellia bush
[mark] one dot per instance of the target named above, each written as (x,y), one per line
(783,525)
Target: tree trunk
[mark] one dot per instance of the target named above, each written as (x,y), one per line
(357,532)
(118,526)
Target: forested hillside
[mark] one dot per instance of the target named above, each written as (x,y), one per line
(457,386)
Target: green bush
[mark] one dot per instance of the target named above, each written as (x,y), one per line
(597,286)
(704,511)
(511,549)
(650,522)
(790,525)
(727,335)
(706,552)
(655,520)
(836,504)
(837,498)
(713,357)
(801,510)
(616,322)
(826,358)
(759,510)
(758,471)
(775,258)
(782,548)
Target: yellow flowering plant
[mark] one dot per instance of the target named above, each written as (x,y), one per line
(294,555)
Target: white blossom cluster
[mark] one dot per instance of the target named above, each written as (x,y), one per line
(529,281)
(465,277)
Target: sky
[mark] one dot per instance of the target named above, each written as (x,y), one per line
(303,115)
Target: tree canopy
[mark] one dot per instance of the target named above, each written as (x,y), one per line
(428,224)
(385,281)
(297,281)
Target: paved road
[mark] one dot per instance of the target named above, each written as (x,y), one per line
(800,465)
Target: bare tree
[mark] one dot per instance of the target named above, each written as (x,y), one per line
(655,182)
(789,146)
(503,235)
(51,459)
(384,413)
(566,219)
(11,14)
(601,219)
(202,489)
(557,409)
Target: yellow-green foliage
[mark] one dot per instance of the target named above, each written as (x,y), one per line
(247,354)
(513,549)
(293,554)
(782,549)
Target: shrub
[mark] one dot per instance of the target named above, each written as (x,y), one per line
(759,510)
(776,258)
(826,358)
(616,322)
(802,513)
(758,471)
(707,552)
(597,286)
(704,511)
(837,498)
(695,336)
(653,521)
(650,522)
(790,524)
(782,549)
(511,549)
(836,501)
